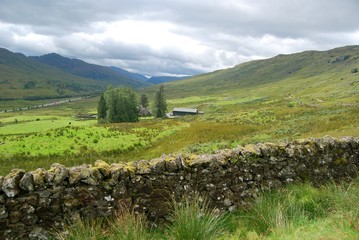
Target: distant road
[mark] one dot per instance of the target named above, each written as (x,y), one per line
(45,105)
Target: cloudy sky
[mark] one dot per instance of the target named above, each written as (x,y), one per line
(176,37)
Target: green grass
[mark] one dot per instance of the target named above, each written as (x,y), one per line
(194,220)
(125,226)
(302,212)
(279,99)
(73,144)
(30,124)
(229,120)
(296,212)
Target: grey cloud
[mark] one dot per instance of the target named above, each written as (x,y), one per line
(231,31)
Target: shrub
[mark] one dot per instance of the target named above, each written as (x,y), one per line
(354,70)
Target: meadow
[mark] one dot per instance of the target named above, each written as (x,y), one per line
(309,94)
(38,137)
(275,100)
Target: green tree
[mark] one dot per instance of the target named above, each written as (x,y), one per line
(160,103)
(102,108)
(144,101)
(121,105)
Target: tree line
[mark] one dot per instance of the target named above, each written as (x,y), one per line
(121,105)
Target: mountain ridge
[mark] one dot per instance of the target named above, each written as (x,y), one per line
(25,77)
(331,64)
(83,69)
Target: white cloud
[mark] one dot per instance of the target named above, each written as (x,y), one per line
(176,36)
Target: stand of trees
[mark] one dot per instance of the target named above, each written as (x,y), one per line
(120,105)
(117,105)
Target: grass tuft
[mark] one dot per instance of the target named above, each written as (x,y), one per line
(129,226)
(194,220)
(83,230)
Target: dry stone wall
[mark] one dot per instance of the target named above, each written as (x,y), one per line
(33,203)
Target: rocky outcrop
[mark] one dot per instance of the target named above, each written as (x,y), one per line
(33,203)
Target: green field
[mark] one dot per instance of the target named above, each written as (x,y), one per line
(37,140)
(311,94)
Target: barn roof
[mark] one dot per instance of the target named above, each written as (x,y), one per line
(188,110)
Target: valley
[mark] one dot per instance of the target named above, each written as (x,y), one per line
(288,97)
(313,102)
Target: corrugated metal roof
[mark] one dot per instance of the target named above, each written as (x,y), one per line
(189,110)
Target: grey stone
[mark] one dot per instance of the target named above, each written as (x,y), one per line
(57,174)
(1,181)
(103,167)
(3,212)
(142,167)
(27,182)
(39,176)
(10,185)
(39,233)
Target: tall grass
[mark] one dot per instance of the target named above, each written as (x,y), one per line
(129,226)
(303,212)
(194,220)
(295,212)
(126,226)
(83,230)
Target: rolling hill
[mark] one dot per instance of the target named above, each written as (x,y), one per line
(163,79)
(24,77)
(317,73)
(92,71)
(136,76)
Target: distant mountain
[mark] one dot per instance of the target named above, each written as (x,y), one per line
(87,70)
(136,76)
(23,78)
(163,79)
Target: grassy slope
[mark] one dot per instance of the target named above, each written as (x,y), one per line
(287,97)
(17,70)
(87,70)
(319,99)
(308,94)
(295,69)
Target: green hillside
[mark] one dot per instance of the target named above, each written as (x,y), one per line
(22,77)
(309,94)
(91,71)
(301,73)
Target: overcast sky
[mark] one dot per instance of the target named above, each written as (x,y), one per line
(176,37)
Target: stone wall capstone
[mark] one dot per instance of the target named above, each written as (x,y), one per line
(34,203)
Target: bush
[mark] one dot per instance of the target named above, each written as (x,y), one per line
(354,70)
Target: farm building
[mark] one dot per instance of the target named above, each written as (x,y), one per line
(185,111)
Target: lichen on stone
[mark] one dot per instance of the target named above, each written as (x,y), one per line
(341,161)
